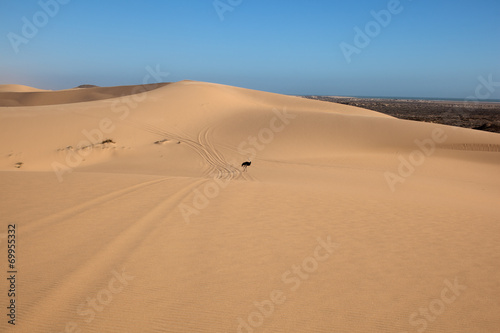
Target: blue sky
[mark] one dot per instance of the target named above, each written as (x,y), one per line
(430,48)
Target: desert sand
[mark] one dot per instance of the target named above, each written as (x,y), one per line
(133,214)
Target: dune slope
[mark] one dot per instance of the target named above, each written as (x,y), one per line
(134,215)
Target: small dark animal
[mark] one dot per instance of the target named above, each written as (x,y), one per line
(245,165)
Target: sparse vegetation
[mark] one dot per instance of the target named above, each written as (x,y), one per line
(87,86)
(89,146)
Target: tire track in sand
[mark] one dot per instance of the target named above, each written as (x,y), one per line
(234,172)
(194,145)
(203,146)
(75,210)
(228,170)
(484,147)
(45,315)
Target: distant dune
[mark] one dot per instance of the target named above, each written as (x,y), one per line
(17,88)
(15,95)
(347,220)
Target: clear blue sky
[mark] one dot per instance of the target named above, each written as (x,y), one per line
(431,48)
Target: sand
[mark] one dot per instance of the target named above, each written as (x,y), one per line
(133,214)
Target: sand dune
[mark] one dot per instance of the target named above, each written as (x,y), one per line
(18,88)
(16,95)
(133,214)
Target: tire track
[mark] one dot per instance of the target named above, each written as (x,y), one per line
(236,173)
(229,171)
(48,310)
(492,148)
(203,146)
(75,210)
(196,146)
